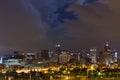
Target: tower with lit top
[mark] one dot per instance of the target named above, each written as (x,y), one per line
(108,54)
(58,49)
(107,47)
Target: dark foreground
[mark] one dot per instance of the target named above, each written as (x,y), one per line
(36,76)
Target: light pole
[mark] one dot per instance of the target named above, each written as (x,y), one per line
(30,73)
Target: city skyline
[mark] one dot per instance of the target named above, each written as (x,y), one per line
(32,25)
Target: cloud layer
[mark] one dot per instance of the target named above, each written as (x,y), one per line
(36,24)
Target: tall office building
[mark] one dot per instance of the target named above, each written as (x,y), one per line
(107,47)
(101,58)
(115,56)
(93,55)
(58,49)
(81,57)
(45,54)
(108,54)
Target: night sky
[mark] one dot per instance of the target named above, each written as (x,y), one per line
(29,25)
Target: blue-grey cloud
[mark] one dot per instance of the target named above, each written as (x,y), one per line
(35,24)
(88,2)
(53,15)
(52,12)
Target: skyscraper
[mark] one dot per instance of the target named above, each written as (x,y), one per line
(115,56)
(93,53)
(45,54)
(107,47)
(108,54)
(58,49)
(81,57)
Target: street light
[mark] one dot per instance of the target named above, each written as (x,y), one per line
(67,72)
(30,75)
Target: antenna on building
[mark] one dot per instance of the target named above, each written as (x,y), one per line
(107,43)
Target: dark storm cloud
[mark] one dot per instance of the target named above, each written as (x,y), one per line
(36,24)
(54,14)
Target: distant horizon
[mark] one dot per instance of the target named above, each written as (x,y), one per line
(72,50)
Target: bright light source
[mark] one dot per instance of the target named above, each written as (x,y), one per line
(99,73)
(67,78)
(58,45)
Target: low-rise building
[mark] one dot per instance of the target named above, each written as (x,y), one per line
(64,57)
